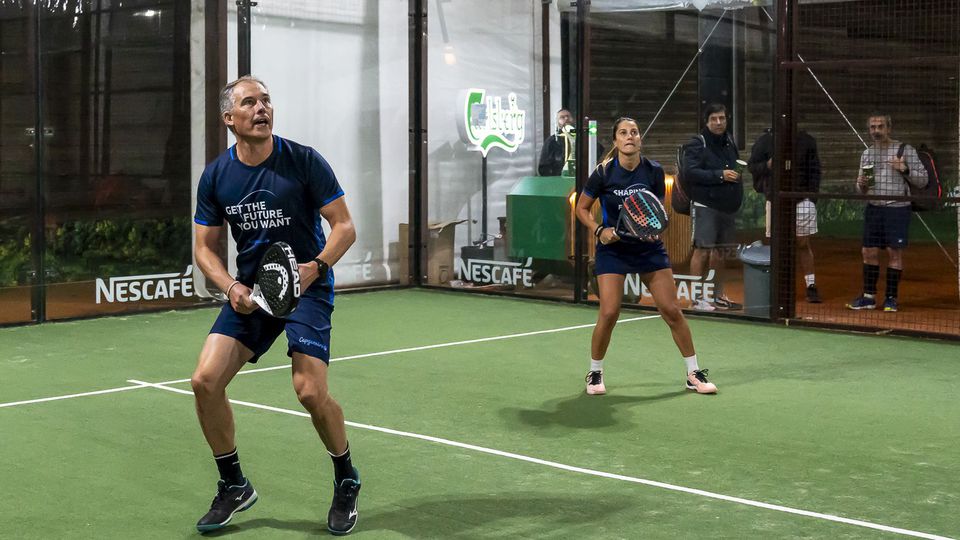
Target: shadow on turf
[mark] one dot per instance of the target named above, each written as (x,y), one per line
(493,515)
(583,411)
(477,516)
(312,527)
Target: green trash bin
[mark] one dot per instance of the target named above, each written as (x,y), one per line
(540,219)
(756,279)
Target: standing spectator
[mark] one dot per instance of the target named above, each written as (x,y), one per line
(807,166)
(710,161)
(885,223)
(553,153)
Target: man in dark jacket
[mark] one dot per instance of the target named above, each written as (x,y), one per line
(710,164)
(807,165)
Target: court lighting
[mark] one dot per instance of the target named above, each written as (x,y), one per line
(669,179)
(449,57)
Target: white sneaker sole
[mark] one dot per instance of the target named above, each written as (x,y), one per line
(246,504)
(708,391)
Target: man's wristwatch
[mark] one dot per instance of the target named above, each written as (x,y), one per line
(322,269)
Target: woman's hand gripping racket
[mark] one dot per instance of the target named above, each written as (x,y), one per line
(277,289)
(642,217)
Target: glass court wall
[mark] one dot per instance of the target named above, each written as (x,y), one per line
(337,74)
(95,129)
(495,223)
(94,158)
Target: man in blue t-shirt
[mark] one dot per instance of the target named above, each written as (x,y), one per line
(269,189)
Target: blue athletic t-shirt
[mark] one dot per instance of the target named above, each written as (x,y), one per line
(278,200)
(617,183)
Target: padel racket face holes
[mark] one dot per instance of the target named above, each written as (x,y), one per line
(277,289)
(642,216)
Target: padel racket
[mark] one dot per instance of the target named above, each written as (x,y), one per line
(642,216)
(277,289)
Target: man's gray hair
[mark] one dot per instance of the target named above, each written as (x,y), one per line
(226,95)
(881,114)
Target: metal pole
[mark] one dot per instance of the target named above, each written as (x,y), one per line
(483,201)
(417,209)
(781,245)
(38,288)
(243,36)
(545,65)
(583,166)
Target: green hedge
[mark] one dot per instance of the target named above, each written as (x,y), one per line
(83,250)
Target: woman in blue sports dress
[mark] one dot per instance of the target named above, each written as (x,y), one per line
(623,172)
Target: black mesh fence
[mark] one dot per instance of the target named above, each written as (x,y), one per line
(817,244)
(875,91)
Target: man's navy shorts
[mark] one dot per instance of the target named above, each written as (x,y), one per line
(886,226)
(628,258)
(308,328)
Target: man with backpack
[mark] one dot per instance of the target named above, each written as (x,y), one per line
(886,168)
(709,167)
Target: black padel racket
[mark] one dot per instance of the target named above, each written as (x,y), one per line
(642,216)
(277,289)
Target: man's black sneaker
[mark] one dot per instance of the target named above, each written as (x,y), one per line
(342,517)
(813,296)
(229,501)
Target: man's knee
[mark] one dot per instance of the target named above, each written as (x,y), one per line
(896,257)
(205,384)
(312,395)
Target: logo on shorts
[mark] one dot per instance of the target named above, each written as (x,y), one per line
(312,343)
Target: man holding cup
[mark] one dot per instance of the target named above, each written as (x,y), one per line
(886,167)
(712,162)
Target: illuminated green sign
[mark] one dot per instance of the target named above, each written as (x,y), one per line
(486,123)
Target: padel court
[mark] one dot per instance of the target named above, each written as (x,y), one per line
(467,419)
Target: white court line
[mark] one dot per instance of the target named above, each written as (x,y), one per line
(436,346)
(581,470)
(341,359)
(57,398)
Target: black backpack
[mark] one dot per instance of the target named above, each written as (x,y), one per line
(680,194)
(932,193)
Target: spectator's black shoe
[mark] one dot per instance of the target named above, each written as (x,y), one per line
(722,302)
(229,501)
(812,295)
(342,517)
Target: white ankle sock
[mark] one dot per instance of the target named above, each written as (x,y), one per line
(596,365)
(810,279)
(691,363)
